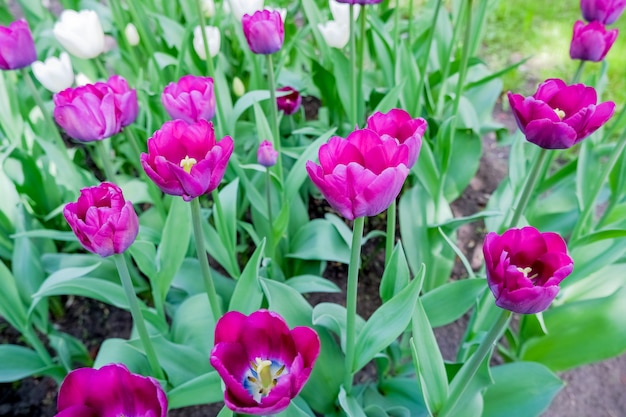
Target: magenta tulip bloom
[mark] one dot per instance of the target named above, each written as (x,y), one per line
(110,391)
(190,99)
(603,11)
(591,42)
(96,111)
(267,155)
(362,174)
(525,268)
(399,125)
(184,159)
(17,48)
(264,31)
(262,363)
(558,116)
(102,220)
(289,103)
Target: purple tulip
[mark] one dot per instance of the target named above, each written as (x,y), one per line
(603,11)
(525,268)
(362,174)
(262,363)
(363,2)
(102,220)
(264,31)
(558,116)
(17,48)
(399,125)
(110,391)
(267,155)
(289,103)
(96,111)
(191,99)
(591,42)
(184,159)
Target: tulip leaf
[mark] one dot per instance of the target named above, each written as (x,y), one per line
(214,247)
(19,362)
(445,304)
(203,389)
(248,296)
(114,350)
(387,323)
(350,405)
(312,283)
(11,307)
(143,253)
(191,321)
(225,218)
(321,241)
(244,103)
(225,412)
(396,275)
(333,317)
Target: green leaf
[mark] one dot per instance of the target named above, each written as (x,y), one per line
(11,307)
(144,253)
(248,296)
(319,240)
(225,217)
(445,304)
(350,405)
(204,389)
(386,324)
(19,362)
(396,275)
(192,323)
(333,317)
(312,283)
(114,350)
(245,102)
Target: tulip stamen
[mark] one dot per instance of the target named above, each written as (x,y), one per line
(262,377)
(559,113)
(526,271)
(187,162)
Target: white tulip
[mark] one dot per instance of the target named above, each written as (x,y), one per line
(241,7)
(213,38)
(80,33)
(55,74)
(281,10)
(208,7)
(341,11)
(82,79)
(335,33)
(132,36)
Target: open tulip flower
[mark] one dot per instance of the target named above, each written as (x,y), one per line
(400,126)
(558,116)
(289,103)
(264,31)
(603,11)
(102,220)
(190,99)
(362,174)
(591,42)
(110,391)
(185,160)
(262,363)
(17,48)
(525,268)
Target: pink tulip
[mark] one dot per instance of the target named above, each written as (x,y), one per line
(603,11)
(190,99)
(267,155)
(263,364)
(525,268)
(184,159)
(289,103)
(399,125)
(264,31)
(591,42)
(17,48)
(102,220)
(125,99)
(362,174)
(110,391)
(558,116)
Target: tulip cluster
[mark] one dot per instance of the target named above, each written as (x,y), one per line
(592,41)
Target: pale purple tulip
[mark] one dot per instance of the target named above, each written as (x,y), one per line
(191,99)
(264,31)
(267,155)
(591,42)
(603,11)
(17,48)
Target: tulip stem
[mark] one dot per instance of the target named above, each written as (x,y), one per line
(396,32)
(274,115)
(135,311)
(529,186)
(56,136)
(36,343)
(270,222)
(209,286)
(579,72)
(353,76)
(360,103)
(351,296)
(468,370)
(109,173)
(390,238)
(423,64)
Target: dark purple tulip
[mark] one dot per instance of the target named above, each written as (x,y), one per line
(399,125)
(603,11)
(263,364)
(184,159)
(264,31)
(192,98)
(289,103)
(558,116)
(17,48)
(110,391)
(102,220)
(525,268)
(591,42)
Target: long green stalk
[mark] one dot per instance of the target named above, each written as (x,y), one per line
(270,221)
(423,62)
(53,130)
(529,186)
(353,76)
(390,237)
(105,160)
(271,81)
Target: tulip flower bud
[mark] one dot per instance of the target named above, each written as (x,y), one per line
(17,48)
(591,42)
(55,74)
(603,11)
(238,88)
(191,99)
(264,31)
(213,38)
(132,36)
(82,79)
(208,7)
(335,33)
(80,33)
(267,155)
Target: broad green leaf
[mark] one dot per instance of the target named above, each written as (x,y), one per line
(333,317)
(19,362)
(248,296)
(192,323)
(520,389)
(225,217)
(204,389)
(396,392)
(11,307)
(114,350)
(98,289)
(445,304)
(144,253)
(245,102)
(312,283)
(396,275)
(350,405)
(319,240)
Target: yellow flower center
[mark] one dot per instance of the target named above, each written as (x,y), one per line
(187,163)
(560,113)
(262,377)
(526,271)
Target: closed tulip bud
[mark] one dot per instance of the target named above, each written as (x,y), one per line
(208,7)
(267,155)
(213,38)
(82,79)
(238,88)
(335,33)
(591,42)
(264,31)
(341,11)
(603,11)
(55,74)
(132,36)
(17,48)
(80,33)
